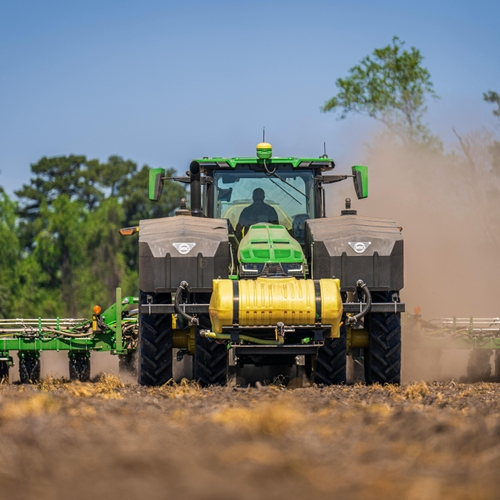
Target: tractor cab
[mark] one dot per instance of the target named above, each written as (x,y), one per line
(249,195)
(261,189)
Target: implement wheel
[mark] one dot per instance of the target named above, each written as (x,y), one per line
(29,367)
(496,358)
(330,365)
(155,343)
(383,357)
(210,361)
(79,366)
(4,371)
(478,365)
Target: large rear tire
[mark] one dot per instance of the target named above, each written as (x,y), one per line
(210,361)
(29,367)
(155,343)
(383,359)
(330,365)
(79,366)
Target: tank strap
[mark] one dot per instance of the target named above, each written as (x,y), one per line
(317,292)
(236,302)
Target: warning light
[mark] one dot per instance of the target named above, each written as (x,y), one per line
(97,309)
(417,310)
(129,231)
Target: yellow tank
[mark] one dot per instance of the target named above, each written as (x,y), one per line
(266,301)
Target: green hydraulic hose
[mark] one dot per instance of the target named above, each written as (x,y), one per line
(246,338)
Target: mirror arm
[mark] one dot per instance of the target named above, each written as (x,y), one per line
(186,179)
(183,179)
(330,179)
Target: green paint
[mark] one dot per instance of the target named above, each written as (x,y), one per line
(269,243)
(111,340)
(216,161)
(118,329)
(360,173)
(154,183)
(109,315)
(96,342)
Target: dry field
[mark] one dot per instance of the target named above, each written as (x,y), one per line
(108,439)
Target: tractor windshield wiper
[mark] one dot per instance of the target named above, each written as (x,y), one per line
(283,189)
(292,186)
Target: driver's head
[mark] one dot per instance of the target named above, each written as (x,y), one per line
(258,195)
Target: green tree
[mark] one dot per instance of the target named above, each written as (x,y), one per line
(59,248)
(71,175)
(102,267)
(494,98)
(391,86)
(10,250)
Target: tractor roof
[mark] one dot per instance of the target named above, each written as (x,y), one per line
(264,158)
(220,162)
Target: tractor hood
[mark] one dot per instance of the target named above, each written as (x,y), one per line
(268,249)
(269,243)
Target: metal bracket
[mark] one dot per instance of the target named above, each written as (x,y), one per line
(232,358)
(377,307)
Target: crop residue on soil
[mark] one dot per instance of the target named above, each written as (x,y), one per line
(114,440)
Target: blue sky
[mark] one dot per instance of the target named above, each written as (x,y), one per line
(163,82)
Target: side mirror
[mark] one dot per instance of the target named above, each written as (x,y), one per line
(360,177)
(155,183)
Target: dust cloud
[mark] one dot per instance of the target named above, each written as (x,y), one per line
(448,209)
(447,204)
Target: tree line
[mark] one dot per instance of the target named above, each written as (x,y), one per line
(62,252)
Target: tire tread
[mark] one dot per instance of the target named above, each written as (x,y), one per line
(155,344)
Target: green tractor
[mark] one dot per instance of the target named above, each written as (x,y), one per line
(256,274)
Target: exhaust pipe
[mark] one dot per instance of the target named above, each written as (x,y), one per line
(194,169)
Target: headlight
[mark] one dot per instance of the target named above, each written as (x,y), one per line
(251,269)
(271,269)
(293,269)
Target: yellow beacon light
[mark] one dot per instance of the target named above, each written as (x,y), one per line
(264,151)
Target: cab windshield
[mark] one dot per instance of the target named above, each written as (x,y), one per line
(288,197)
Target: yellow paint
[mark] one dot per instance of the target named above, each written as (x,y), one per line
(184,339)
(266,301)
(358,338)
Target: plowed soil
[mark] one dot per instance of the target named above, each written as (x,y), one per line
(107,439)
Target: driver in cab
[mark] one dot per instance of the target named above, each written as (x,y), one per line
(258,211)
